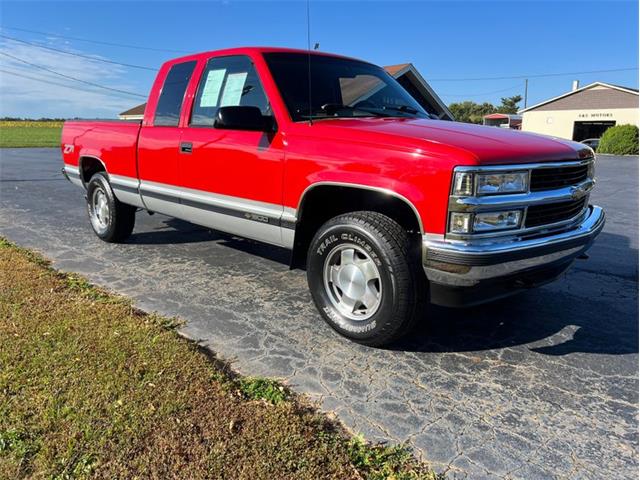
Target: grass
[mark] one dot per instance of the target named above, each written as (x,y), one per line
(90,387)
(29,134)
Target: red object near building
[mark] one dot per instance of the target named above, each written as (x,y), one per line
(504,120)
(384,205)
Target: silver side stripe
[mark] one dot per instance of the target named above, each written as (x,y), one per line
(227,205)
(206,208)
(126,189)
(72,173)
(256,208)
(127,182)
(288,219)
(71,170)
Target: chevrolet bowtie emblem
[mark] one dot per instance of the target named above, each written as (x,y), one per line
(578,192)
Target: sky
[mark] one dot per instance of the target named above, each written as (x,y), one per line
(455,45)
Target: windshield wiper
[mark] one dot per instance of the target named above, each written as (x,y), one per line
(332,107)
(330,110)
(379,111)
(401,108)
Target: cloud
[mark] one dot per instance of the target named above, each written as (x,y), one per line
(27,91)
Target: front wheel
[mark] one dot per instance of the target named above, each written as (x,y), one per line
(111,220)
(365,278)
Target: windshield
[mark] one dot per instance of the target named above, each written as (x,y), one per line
(339,88)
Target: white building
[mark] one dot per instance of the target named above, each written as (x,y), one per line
(583,112)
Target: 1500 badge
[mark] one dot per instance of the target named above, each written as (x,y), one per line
(256,217)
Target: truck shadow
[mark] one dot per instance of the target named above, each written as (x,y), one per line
(580,312)
(554,325)
(173,231)
(593,308)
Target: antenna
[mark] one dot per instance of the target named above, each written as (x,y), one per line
(309,58)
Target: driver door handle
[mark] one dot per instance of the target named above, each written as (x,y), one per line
(186,147)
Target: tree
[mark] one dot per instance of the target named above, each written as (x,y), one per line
(471,112)
(509,104)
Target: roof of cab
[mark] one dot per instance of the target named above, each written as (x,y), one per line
(254,50)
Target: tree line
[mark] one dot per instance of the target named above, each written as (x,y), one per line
(472,112)
(26,119)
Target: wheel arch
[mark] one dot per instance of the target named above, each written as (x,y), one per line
(324,200)
(89,165)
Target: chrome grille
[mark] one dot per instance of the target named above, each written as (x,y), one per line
(553,213)
(557,177)
(558,195)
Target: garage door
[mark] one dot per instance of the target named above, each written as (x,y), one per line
(584,130)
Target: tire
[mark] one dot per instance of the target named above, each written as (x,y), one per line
(111,220)
(365,278)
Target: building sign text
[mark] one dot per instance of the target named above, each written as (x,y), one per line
(595,115)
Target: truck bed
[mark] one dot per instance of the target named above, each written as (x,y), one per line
(114,142)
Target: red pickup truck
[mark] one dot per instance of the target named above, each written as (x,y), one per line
(385,207)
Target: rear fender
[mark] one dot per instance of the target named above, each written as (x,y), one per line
(88,165)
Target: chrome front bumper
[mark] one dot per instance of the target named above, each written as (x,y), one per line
(462,265)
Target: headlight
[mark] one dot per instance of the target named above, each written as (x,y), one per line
(591,169)
(493,183)
(460,222)
(491,221)
(482,222)
(466,184)
(463,184)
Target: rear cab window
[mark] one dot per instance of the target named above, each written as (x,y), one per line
(172,95)
(227,82)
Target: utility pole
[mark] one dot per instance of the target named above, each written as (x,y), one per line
(526,88)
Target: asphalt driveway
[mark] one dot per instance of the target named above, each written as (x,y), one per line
(541,385)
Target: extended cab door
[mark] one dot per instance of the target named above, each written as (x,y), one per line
(232,179)
(159,141)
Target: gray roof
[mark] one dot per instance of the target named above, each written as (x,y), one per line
(612,96)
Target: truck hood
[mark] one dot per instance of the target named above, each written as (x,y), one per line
(487,145)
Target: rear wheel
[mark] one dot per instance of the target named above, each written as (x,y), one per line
(365,277)
(111,220)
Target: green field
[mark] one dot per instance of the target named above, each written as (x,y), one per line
(90,387)
(29,134)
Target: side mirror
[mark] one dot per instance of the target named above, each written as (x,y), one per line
(243,118)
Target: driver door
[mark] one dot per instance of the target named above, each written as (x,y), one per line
(232,179)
